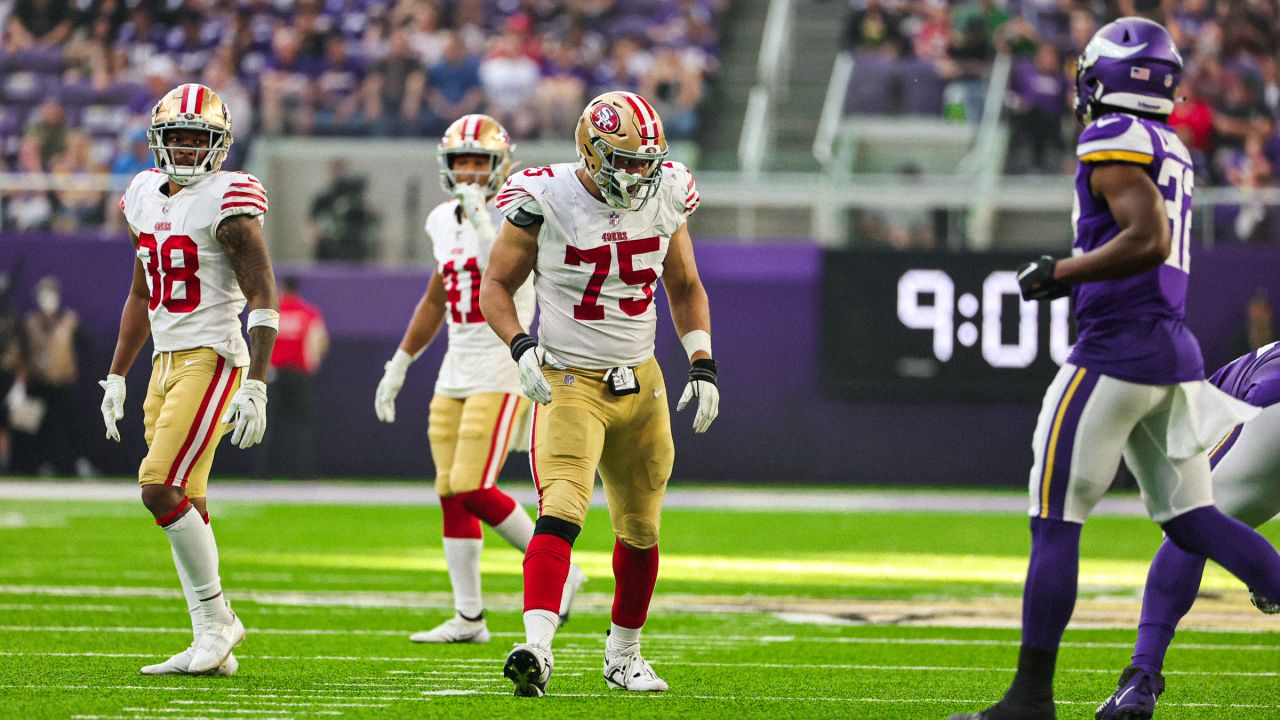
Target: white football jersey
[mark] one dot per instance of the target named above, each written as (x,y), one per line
(195,298)
(477,360)
(596,266)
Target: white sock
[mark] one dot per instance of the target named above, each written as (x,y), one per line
(193,602)
(517,529)
(462,555)
(193,546)
(540,627)
(621,640)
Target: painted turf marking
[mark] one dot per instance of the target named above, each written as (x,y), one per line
(962,642)
(655,697)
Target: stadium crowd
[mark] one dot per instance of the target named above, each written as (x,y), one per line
(78,78)
(1231,82)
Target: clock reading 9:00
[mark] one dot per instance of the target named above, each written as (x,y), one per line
(927,301)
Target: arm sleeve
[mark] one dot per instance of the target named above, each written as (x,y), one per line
(244,196)
(1116,138)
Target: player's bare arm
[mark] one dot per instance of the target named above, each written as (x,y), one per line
(428,316)
(690,309)
(135,327)
(1143,241)
(691,313)
(241,237)
(514,252)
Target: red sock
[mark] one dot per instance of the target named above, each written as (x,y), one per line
(489,504)
(458,521)
(635,572)
(546,565)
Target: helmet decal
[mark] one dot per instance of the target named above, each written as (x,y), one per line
(605,119)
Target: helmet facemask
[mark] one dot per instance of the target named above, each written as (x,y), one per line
(621,189)
(208,159)
(449,177)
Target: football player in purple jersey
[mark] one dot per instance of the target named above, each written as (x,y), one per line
(1246,486)
(1133,386)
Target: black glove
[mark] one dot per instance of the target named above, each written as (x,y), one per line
(1037,283)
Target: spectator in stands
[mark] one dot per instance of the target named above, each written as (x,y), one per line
(289,449)
(54,343)
(10,364)
(220,75)
(1038,104)
(337,90)
(932,32)
(968,62)
(134,156)
(1251,171)
(1259,324)
(49,129)
(342,226)
(426,36)
(626,64)
(29,209)
(139,39)
(192,43)
(159,77)
(674,88)
(1239,115)
(287,105)
(563,88)
(874,29)
(38,24)
(510,81)
(454,82)
(79,205)
(394,89)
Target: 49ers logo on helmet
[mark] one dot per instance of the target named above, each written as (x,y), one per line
(605,119)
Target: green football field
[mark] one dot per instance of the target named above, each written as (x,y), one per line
(770,614)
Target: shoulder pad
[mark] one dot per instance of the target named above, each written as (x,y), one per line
(1116,138)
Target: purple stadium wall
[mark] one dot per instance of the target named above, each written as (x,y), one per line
(775,423)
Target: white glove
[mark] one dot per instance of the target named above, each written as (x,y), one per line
(475,207)
(384,400)
(531,358)
(702,385)
(112,404)
(248,410)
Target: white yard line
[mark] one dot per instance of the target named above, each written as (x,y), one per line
(423,493)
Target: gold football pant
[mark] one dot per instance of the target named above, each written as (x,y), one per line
(186,398)
(470,438)
(628,438)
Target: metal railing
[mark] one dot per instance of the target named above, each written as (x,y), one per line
(772,70)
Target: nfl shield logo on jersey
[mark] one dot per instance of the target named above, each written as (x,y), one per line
(614,218)
(569,379)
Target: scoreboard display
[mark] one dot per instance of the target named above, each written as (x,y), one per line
(936,326)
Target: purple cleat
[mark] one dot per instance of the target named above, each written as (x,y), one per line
(1135,696)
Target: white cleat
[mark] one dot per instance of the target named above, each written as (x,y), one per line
(630,671)
(456,629)
(529,667)
(572,584)
(215,645)
(180,663)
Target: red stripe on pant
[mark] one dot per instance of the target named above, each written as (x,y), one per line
(490,504)
(195,425)
(546,565)
(635,573)
(458,521)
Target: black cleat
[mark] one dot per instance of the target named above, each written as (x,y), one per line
(1134,698)
(529,667)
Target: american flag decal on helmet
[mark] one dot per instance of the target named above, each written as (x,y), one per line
(1139,73)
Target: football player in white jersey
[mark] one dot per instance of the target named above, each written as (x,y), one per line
(200,255)
(597,235)
(477,408)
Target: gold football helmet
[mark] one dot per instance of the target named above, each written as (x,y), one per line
(476,135)
(190,107)
(622,126)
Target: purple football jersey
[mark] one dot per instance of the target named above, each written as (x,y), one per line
(1253,378)
(1134,328)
